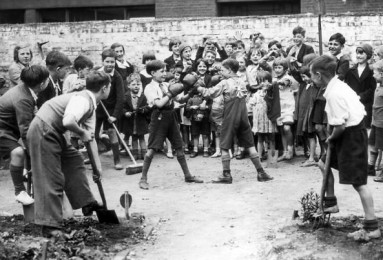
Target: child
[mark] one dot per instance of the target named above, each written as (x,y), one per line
(255,56)
(145,77)
(375,141)
(123,66)
(163,122)
(22,57)
(186,62)
(304,106)
(76,82)
(229,48)
(216,117)
(199,110)
(235,121)
(263,127)
(360,79)
(113,104)
(17,109)
(348,141)
(297,51)
(287,87)
(58,65)
(172,60)
(56,165)
(135,111)
(335,47)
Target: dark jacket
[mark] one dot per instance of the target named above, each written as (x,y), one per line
(125,73)
(115,100)
(342,66)
(364,86)
(304,50)
(139,118)
(17,109)
(273,103)
(170,63)
(48,93)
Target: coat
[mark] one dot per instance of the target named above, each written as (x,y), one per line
(17,109)
(364,86)
(138,119)
(303,51)
(48,93)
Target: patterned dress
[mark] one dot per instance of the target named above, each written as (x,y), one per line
(261,123)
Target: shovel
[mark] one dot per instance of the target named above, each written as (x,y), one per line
(29,210)
(135,167)
(103,215)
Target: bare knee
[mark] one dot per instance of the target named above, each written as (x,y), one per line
(17,156)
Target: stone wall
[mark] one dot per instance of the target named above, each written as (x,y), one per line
(90,38)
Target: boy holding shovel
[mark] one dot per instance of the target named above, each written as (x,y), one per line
(347,141)
(56,165)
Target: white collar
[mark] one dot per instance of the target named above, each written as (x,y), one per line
(33,94)
(124,64)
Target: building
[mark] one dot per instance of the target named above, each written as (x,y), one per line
(37,11)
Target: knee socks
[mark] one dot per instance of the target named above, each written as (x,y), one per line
(257,163)
(371,225)
(226,162)
(182,161)
(330,201)
(17,178)
(116,153)
(146,165)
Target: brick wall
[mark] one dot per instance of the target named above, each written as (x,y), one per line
(339,6)
(90,38)
(176,8)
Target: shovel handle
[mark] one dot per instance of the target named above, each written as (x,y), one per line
(95,172)
(119,135)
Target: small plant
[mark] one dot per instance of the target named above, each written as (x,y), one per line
(310,205)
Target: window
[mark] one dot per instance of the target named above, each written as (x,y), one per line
(52,15)
(259,8)
(81,14)
(11,16)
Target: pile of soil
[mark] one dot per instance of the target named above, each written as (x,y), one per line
(86,239)
(298,240)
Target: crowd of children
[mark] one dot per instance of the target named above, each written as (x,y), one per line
(231,100)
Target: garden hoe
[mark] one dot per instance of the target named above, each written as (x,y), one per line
(322,218)
(135,167)
(103,215)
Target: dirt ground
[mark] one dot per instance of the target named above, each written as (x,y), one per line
(244,220)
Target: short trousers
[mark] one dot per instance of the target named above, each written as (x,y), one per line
(242,132)
(7,146)
(350,157)
(200,127)
(376,137)
(163,124)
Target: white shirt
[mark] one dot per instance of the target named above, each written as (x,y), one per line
(153,91)
(123,64)
(78,106)
(361,69)
(343,105)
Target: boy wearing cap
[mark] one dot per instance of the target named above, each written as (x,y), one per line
(348,142)
(163,123)
(360,79)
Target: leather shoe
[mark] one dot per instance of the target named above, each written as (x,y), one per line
(193,154)
(225,178)
(193,179)
(263,176)
(93,206)
(143,184)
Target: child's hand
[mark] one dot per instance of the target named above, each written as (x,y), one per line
(112,119)
(238,35)
(86,136)
(128,114)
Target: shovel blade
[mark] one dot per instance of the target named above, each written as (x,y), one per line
(107,216)
(29,213)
